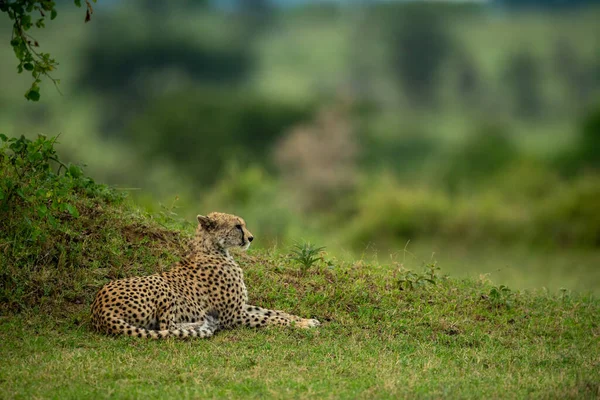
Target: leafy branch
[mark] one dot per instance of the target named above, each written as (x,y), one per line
(23,13)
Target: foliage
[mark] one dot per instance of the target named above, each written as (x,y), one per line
(571,216)
(126,64)
(22,13)
(589,142)
(387,213)
(385,334)
(524,80)
(419,27)
(403,150)
(410,280)
(306,254)
(486,152)
(30,187)
(217,126)
(61,232)
(564,214)
(500,296)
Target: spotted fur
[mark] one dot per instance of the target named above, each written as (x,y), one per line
(202,293)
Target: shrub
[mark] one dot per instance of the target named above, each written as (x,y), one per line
(387,212)
(62,235)
(484,154)
(319,160)
(572,215)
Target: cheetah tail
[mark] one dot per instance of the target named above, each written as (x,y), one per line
(210,326)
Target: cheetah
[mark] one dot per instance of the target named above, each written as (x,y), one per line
(200,294)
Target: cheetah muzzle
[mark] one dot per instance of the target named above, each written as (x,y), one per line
(202,293)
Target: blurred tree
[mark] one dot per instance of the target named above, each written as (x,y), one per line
(22,13)
(590,140)
(584,156)
(571,69)
(405,151)
(523,76)
(128,63)
(360,63)
(210,128)
(485,153)
(318,160)
(468,79)
(420,46)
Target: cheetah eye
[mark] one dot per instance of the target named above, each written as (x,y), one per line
(239,226)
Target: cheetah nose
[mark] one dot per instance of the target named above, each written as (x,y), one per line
(250,238)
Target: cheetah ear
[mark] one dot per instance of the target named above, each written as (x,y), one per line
(206,223)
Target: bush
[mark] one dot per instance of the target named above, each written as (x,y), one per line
(590,140)
(571,216)
(584,155)
(62,235)
(388,213)
(564,214)
(484,154)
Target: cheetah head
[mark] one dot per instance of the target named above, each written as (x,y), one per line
(228,230)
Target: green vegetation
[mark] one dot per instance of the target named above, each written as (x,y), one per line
(22,13)
(62,234)
(389,330)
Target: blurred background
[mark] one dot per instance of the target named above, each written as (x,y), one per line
(466,132)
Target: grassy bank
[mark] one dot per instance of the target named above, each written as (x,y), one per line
(386,333)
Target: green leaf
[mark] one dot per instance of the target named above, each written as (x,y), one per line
(75,171)
(42,210)
(78,3)
(53,14)
(28,66)
(33,95)
(3,137)
(26,22)
(72,210)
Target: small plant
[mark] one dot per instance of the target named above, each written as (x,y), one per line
(306,255)
(565,294)
(410,280)
(501,296)
(431,270)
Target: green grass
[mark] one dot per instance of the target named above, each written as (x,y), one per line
(518,266)
(453,338)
